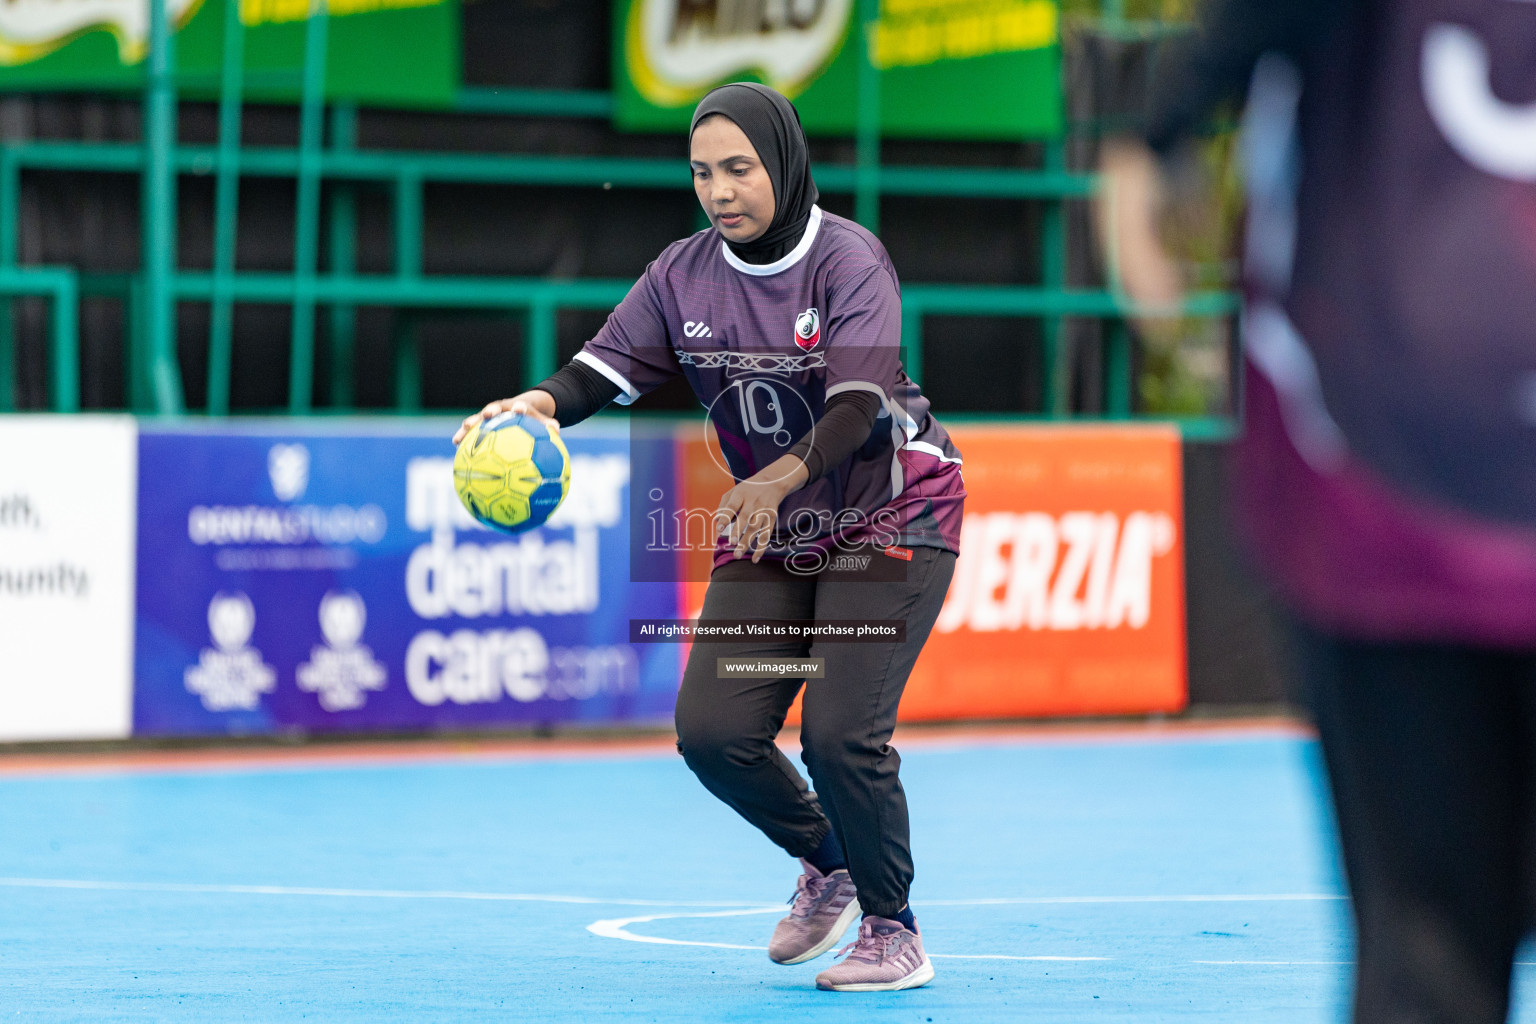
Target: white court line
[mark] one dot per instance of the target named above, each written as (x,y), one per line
(617,928)
(614,928)
(377,894)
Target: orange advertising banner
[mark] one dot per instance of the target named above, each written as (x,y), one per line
(1068,596)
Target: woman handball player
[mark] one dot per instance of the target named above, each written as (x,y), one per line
(845,504)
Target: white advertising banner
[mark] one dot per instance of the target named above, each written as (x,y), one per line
(67,512)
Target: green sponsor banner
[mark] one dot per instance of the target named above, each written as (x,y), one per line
(976,69)
(381,52)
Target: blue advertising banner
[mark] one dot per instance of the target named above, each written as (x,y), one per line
(329,580)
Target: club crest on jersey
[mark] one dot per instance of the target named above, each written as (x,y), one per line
(808,329)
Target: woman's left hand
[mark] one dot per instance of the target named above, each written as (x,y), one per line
(749,512)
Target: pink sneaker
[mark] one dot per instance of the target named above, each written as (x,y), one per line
(823,908)
(885,957)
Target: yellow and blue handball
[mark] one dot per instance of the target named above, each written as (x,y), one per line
(512,472)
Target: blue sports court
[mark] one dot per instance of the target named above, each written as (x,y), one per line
(1165,368)
(1140,874)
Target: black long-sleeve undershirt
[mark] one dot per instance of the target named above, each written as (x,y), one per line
(579,391)
(843,428)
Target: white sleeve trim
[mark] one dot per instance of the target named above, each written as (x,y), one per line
(931,449)
(628,389)
(906,418)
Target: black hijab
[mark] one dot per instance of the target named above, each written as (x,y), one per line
(771,123)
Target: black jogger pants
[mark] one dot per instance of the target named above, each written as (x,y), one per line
(726,726)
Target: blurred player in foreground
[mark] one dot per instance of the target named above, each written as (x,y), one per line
(1387,477)
(847,504)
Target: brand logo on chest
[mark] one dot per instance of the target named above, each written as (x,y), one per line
(808,329)
(697,329)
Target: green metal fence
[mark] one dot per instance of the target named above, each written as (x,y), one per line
(151,294)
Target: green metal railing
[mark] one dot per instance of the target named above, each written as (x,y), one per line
(150,296)
(61,286)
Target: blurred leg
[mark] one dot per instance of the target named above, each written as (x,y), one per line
(1428,761)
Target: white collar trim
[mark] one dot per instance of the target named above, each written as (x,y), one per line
(783,263)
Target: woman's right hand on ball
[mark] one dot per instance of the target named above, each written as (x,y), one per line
(537,405)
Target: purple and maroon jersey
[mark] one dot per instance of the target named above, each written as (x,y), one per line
(765,347)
